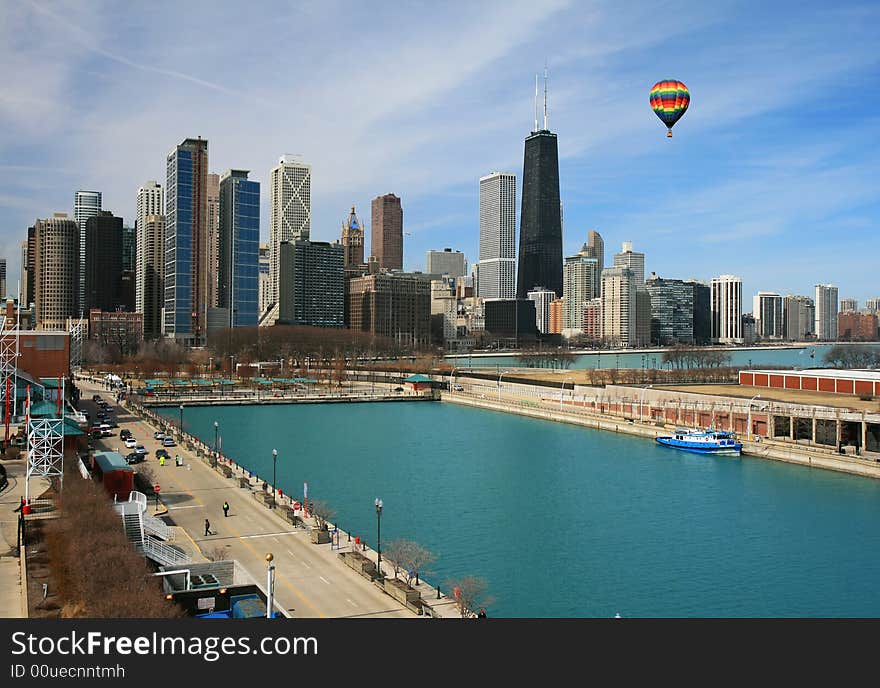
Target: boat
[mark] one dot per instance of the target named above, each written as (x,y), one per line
(703,441)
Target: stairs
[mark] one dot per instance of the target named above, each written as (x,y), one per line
(147,532)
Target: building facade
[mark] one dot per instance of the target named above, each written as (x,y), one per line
(631,259)
(798,318)
(150,203)
(186,242)
(56,271)
(580,284)
(555,322)
(238,255)
(121,329)
(3,291)
(263,268)
(768,310)
(353,241)
(386,240)
(672,311)
(391,306)
(857,327)
(150,284)
(727,310)
(495,273)
(849,305)
(618,307)
(595,248)
(542,298)
(540,236)
(510,321)
(103,262)
(290,209)
(593,319)
(213,200)
(86,204)
(312,290)
(826,312)
(446,262)
(872,305)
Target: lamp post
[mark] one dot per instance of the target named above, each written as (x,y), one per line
(749,431)
(562,391)
(642,403)
(216,430)
(270,585)
(452,378)
(181,419)
(499,383)
(274,489)
(378,504)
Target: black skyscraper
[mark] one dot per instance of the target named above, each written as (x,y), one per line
(540,234)
(103,262)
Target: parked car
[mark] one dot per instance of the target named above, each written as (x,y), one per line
(106,430)
(457,388)
(398,389)
(96,397)
(124,433)
(134,457)
(169,442)
(112,423)
(141,449)
(161,452)
(158,435)
(130,442)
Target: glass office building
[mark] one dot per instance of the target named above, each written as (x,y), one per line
(238,279)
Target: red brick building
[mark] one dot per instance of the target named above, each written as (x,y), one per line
(857,327)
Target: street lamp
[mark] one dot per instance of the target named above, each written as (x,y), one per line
(181,419)
(270,585)
(499,383)
(749,431)
(642,403)
(378,503)
(274,489)
(216,430)
(452,378)
(562,391)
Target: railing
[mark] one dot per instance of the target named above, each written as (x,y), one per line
(161,553)
(158,527)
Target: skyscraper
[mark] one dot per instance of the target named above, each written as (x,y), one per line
(580,284)
(149,203)
(265,296)
(3,292)
(151,272)
(542,298)
(767,309)
(386,240)
(353,241)
(394,306)
(213,187)
(238,281)
(596,248)
(103,247)
(129,249)
(631,259)
(446,262)
(872,305)
(799,317)
(56,267)
(727,310)
(496,271)
(540,236)
(290,209)
(186,234)
(849,305)
(672,311)
(86,204)
(618,307)
(312,290)
(29,285)
(826,312)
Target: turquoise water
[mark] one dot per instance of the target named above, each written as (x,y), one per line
(570,522)
(809,356)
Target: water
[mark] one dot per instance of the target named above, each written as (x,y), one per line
(799,357)
(565,521)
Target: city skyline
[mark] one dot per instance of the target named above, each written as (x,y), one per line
(750,169)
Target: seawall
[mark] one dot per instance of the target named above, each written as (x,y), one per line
(765,449)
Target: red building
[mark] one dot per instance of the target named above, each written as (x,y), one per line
(857,327)
(820,380)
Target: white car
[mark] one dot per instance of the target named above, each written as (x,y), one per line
(130,442)
(158,435)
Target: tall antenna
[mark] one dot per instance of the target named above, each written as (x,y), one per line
(545,94)
(536,103)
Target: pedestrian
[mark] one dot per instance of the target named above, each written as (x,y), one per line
(162,461)
(207,527)
(481,614)
(225,509)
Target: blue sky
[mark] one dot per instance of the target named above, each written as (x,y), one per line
(771,175)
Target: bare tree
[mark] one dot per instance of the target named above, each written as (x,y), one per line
(470,594)
(395,553)
(322,512)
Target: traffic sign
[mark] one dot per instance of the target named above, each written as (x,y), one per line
(156,488)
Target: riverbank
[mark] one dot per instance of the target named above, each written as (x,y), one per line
(812,457)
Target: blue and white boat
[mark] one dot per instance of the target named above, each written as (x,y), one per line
(703,442)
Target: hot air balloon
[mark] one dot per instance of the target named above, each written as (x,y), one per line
(670,100)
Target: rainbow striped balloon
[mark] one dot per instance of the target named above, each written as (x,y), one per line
(670,100)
